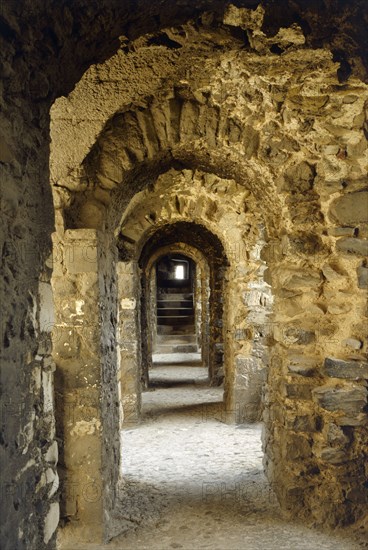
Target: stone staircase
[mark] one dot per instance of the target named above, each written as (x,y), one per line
(176,322)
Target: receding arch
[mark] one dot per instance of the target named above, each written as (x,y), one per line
(55,60)
(208,144)
(148,286)
(220,146)
(199,243)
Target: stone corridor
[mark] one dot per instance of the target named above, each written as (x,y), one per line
(198,483)
(183,176)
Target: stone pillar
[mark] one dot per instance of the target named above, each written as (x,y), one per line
(86,382)
(129,341)
(248,309)
(205,315)
(198,304)
(152,315)
(244,367)
(216,336)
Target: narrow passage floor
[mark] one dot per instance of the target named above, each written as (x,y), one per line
(194,482)
(205,476)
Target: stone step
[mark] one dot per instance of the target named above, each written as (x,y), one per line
(176,348)
(175,320)
(173,290)
(174,303)
(175,312)
(180,330)
(175,296)
(173,339)
(172,359)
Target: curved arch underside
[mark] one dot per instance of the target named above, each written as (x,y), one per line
(192,234)
(275,98)
(270,114)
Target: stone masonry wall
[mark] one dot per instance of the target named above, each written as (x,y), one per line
(45,49)
(214,202)
(84,349)
(29,481)
(293,135)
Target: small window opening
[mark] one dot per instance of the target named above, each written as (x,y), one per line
(179,271)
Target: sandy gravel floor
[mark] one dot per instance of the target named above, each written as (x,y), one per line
(194,482)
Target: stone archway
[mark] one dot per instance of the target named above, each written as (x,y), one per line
(295,262)
(36,48)
(179,323)
(196,242)
(104,415)
(201,301)
(193,197)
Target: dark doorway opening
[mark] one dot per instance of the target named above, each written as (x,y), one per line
(176,311)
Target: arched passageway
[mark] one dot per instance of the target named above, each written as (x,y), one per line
(206,249)
(176,309)
(252,95)
(135,148)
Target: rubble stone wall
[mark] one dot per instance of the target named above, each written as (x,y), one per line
(212,202)
(306,133)
(292,136)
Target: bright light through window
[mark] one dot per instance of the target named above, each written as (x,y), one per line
(179,272)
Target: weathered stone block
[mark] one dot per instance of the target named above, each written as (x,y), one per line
(247,370)
(362,273)
(304,423)
(292,307)
(358,494)
(331,149)
(362,230)
(336,436)
(298,391)
(341,231)
(128,329)
(297,335)
(353,246)
(351,208)
(77,373)
(332,273)
(81,234)
(333,455)
(80,256)
(47,316)
(66,341)
(338,368)
(129,346)
(303,280)
(350,400)
(52,454)
(304,366)
(297,447)
(48,391)
(51,521)
(360,419)
(339,308)
(128,303)
(353,343)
